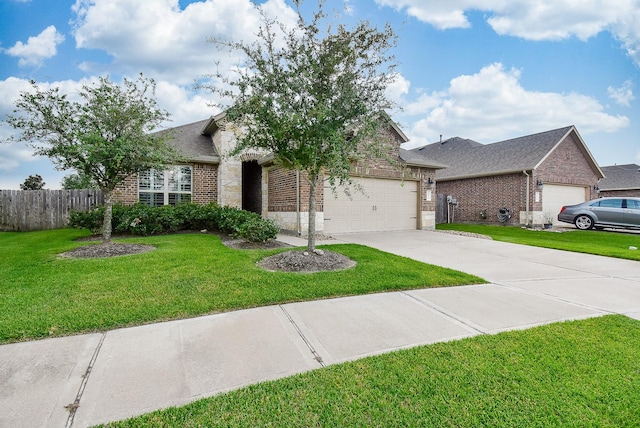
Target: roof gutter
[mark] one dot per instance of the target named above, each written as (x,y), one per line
(484,174)
(205,159)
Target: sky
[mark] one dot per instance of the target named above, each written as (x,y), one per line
(486,70)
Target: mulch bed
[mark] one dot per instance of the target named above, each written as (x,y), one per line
(288,261)
(304,261)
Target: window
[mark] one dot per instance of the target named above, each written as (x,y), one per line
(169,187)
(608,203)
(633,204)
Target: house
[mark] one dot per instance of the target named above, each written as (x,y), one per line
(620,180)
(396,196)
(531,176)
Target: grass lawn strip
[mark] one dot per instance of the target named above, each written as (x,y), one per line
(44,295)
(601,243)
(572,374)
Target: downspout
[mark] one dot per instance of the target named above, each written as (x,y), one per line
(528,214)
(298,225)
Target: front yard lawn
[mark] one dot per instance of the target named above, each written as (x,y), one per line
(43,295)
(575,374)
(602,243)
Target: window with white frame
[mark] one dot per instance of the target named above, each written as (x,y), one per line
(168,187)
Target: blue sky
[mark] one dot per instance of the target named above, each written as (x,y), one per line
(486,70)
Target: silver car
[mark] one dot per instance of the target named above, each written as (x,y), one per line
(604,212)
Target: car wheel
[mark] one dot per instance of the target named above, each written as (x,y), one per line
(583,222)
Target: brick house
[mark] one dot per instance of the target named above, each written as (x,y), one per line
(620,180)
(532,176)
(397,195)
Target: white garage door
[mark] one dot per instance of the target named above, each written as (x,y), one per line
(385,205)
(555,196)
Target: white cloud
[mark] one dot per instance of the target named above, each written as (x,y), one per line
(13,155)
(627,30)
(536,20)
(622,95)
(163,40)
(38,48)
(492,105)
(184,105)
(398,89)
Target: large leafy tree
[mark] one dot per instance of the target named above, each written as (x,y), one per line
(313,95)
(105,136)
(33,182)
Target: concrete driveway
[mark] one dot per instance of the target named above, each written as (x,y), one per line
(602,283)
(95,378)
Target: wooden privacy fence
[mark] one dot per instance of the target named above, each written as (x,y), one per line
(23,210)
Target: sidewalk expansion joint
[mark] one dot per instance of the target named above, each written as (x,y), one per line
(73,407)
(554,298)
(315,354)
(447,314)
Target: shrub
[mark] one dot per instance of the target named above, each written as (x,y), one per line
(144,220)
(91,220)
(257,229)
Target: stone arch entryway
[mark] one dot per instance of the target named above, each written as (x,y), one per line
(252,186)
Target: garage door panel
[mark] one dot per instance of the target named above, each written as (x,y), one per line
(554,197)
(386,205)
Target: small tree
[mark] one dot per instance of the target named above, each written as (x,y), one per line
(77,181)
(313,97)
(33,182)
(105,136)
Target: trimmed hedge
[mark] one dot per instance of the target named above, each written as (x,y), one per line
(144,220)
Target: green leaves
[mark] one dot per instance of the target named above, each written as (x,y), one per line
(303,91)
(104,134)
(312,95)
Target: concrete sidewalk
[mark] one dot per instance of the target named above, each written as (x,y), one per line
(127,372)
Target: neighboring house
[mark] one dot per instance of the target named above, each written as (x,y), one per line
(620,180)
(532,176)
(396,197)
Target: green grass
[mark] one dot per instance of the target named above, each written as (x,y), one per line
(43,295)
(575,374)
(603,243)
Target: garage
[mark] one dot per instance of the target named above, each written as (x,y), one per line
(384,205)
(554,197)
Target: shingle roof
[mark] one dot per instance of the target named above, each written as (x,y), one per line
(412,159)
(468,158)
(192,143)
(620,177)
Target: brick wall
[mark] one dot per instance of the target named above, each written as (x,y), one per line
(282,191)
(127,193)
(567,164)
(205,183)
(486,195)
(620,193)
(204,179)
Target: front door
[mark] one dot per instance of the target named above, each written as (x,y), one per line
(252,187)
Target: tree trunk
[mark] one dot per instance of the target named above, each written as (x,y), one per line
(311,239)
(108,213)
